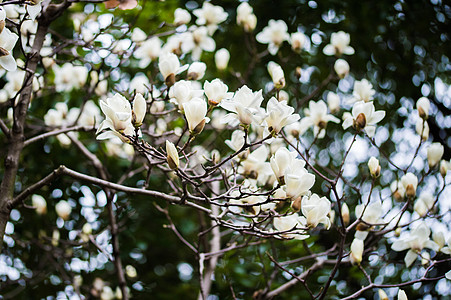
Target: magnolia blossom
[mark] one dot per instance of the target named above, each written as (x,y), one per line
(294,223)
(434,154)
(415,242)
(7,42)
(339,44)
(276,73)
(382,295)
(279,114)
(280,162)
(139,84)
(183,91)
(210,15)
(345,213)
(222,57)
(333,102)
(139,110)
(181,16)
(423,106)
(169,66)
(195,113)
(255,163)
(341,67)
(39,204)
(196,41)
(316,210)
(422,129)
(370,214)
(297,41)
(236,141)
(402,295)
(364,117)
(317,116)
(424,203)
(172,155)
(148,51)
(409,183)
(444,167)
(216,91)
(363,91)
(196,70)
(244,106)
(245,17)
(375,168)
(298,181)
(63,210)
(138,35)
(69,77)
(274,35)
(357,247)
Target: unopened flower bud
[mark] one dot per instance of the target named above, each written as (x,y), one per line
(375,168)
(215,156)
(444,167)
(222,57)
(341,67)
(360,122)
(131,271)
(425,258)
(434,153)
(139,110)
(398,231)
(356,251)
(298,72)
(345,213)
(402,295)
(423,106)
(196,70)
(172,155)
(55,237)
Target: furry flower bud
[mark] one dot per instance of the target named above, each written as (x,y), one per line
(172,155)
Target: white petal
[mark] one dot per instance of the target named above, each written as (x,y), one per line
(34,10)
(329,50)
(8,63)
(411,256)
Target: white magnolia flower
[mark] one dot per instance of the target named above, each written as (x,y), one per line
(245,17)
(63,209)
(7,42)
(148,51)
(183,91)
(169,66)
(444,167)
(216,91)
(363,91)
(139,84)
(195,112)
(196,41)
(138,35)
(370,214)
(339,44)
(316,210)
(139,110)
(402,295)
(422,129)
(222,57)
(333,102)
(253,204)
(298,181)
(382,295)
(415,241)
(279,114)
(274,35)
(210,15)
(236,141)
(196,70)
(423,106)
(255,163)
(434,153)
(56,116)
(317,116)
(118,114)
(281,160)
(364,117)
(424,203)
(244,106)
(35,9)
(277,76)
(345,213)
(375,168)
(409,183)
(172,155)
(39,204)
(357,247)
(69,77)
(297,41)
(294,223)
(181,16)
(341,67)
